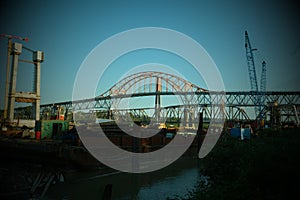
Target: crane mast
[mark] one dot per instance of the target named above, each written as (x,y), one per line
(263,84)
(263,78)
(260,97)
(252,72)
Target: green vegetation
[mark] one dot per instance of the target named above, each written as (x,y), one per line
(264,167)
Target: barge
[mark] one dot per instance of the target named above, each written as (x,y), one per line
(54,142)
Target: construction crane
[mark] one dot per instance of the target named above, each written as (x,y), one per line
(250,62)
(259,101)
(9,49)
(14,37)
(263,78)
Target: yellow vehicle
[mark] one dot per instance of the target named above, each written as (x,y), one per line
(162,125)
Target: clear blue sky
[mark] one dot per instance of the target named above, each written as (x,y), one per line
(68,30)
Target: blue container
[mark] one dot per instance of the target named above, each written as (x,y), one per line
(242,133)
(169,135)
(245,133)
(235,132)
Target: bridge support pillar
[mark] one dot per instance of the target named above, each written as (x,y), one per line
(157,99)
(17,49)
(37,86)
(199,130)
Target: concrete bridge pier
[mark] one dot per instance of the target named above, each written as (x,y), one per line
(25,97)
(37,59)
(17,50)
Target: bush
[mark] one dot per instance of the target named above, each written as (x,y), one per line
(261,168)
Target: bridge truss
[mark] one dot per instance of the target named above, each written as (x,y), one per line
(188,100)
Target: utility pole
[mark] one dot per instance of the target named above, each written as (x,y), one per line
(7,82)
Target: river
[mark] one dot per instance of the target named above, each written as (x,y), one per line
(178,180)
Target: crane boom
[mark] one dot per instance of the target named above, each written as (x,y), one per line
(252,72)
(260,98)
(250,62)
(14,37)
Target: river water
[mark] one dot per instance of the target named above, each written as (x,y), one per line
(176,181)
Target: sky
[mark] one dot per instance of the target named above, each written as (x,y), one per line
(67,31)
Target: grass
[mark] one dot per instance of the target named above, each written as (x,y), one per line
(264,167)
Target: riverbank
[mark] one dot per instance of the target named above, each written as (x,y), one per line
(30,168)
(264,167)
(29,175)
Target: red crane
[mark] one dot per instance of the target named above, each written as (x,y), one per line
(14,37)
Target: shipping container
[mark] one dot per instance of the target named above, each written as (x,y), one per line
(51,129)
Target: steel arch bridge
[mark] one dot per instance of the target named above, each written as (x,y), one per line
(147,82)
(190,99)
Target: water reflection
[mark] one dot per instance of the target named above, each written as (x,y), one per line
(180,186)
(178,181)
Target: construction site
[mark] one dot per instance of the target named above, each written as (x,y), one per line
(48,132)
(270,108)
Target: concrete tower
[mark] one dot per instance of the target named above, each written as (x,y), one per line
(27,97)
